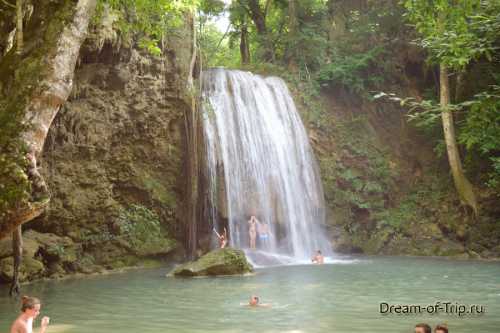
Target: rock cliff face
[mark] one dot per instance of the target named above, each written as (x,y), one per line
(113,161)
(388,192)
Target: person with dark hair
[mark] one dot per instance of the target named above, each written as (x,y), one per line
(255,302)
(30,309)
(318,258)
(441,329)
(423,328)
(222,238)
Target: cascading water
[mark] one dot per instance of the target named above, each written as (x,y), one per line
(260,163)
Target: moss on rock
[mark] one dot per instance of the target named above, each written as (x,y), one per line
(226,261)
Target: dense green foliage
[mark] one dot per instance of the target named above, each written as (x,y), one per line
(145,22)
(455,32)
(136,228)
(139,225)
(352,72)
(480,134)
(459,35)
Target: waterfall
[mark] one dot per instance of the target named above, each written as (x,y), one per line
(259,163)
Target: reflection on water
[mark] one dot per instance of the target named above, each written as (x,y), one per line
(329,298)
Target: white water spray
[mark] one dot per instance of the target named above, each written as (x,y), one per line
(260,161)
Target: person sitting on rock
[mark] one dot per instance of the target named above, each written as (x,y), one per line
(222,238)
(30,308)
(318,258)
(255,302)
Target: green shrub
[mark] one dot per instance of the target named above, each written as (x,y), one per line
(354,72)
(139,225)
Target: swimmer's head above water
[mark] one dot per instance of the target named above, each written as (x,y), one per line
(254,301)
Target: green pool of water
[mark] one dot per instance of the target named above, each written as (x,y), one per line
(330,298)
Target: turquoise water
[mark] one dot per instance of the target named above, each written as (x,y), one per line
(341,297)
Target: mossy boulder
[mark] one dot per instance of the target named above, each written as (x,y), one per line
(53,248)
(31,268)
(218,262)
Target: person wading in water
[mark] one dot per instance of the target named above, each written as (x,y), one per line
(318,258)
(30,309)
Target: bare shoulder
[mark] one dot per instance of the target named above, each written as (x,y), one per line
(18,327)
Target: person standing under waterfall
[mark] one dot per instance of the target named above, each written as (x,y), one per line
(318,258)
(263,231)
(222,238)
(252,231)
(30,308)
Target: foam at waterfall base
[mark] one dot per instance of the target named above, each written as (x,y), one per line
(259,259)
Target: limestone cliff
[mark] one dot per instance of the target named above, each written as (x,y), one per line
(113,161)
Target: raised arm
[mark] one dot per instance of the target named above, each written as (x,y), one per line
(216,233)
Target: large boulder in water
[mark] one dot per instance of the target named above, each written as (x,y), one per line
(226,261)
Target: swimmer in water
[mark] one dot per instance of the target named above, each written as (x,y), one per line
(318,258)
(255,302)
(30,309)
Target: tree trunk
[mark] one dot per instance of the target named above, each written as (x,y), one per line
(338,19)
(51,88)
(17,252)
(191,128)
(44,107)
(244,46)
(292,35)
(462,184)
(19,26)
(259,18)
